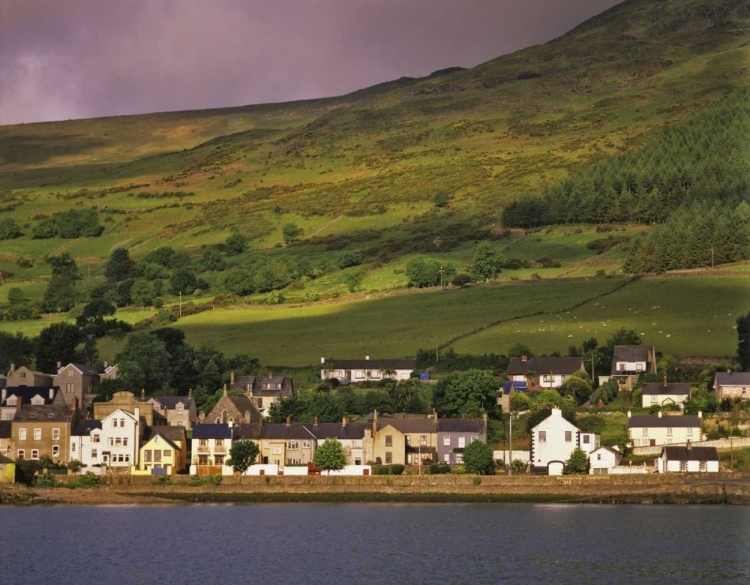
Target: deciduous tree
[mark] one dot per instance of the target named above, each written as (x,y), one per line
(330,455)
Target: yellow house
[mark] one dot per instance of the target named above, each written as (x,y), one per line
(404,440)
(161,454)
(7,470)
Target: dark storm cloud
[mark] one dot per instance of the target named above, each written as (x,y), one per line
(87,58)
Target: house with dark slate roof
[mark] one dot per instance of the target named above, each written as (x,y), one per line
(76,381)
(732,385)
(286,444)
(233,408)
(263,390)
(366,369)
(11,398)
(687,459)
(210,447)
(405,440)
(661,429)
(664,394)
(357,447)
(629,362)
(178,411)
(543,372)
(454,435)
(37,431)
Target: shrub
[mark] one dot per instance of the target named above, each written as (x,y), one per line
(46,479)
(397,469)
(461,280)
(517,465)
(381,470)
(536,276)
(476,481)
(9,229)
(434,469)
(441,199)
(478,459)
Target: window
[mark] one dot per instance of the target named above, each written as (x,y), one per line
(407,438)
(295,461)
(359,374)
(587,440)
(474,439)
(157,456)
(620,366)
(111,441)
(202,459)
(669,441)
(702,466)
(547,378)
(669,431)
(689,431)
(568,436)
(73,447)
(654,399)
(459,458)
(640,367)
(276,450)
(683,465)
(446,440)
(180,409)
(644,431)
(94,453)
(219,459)
(598,456)
(204,442)
(266,444)
(21,453)
(125,442)
(389,440)
(147,456)
(70,388)
(122,422)
(305,444)
(127,458)
(388,457)
(423,440)
(35,453)
(118,442)
(447,458)
(37,434)
(21,434)
(461,442)
(55,450)
(95,438)
(542,436)
(294,445)
(23,374)
(167,452)
(55,434)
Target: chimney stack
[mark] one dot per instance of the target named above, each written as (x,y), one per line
(19,402)
(700,414)
(665,379)
(374,422)
(190,393)
(524,358)
(106,364)
(315,421)
(59,365)
(51,393)
(484,424)
(143,393)
(344,421)
(231,378)
(12,369)
(659,414)
(630,414)
(288,420)
(202,417)
(137,414)
(3,394)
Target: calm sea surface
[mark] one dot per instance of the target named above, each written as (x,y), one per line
(374,543)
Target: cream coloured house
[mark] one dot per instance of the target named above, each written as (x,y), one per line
(664,394)
(732,385)
(366,369)
(658,429)
(687,459)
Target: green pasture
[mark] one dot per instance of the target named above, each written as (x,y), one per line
(691,315)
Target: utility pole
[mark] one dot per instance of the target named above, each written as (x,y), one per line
(712,257)
(180,304)
(441,278)
(510,443)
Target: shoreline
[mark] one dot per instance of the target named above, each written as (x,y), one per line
(729,489)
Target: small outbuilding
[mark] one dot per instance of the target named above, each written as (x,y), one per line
(603,459)
(7,470)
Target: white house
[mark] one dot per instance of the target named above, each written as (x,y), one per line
(366,369)
(120,439)
(357,447)
(654,430)
(211,444)
(663,394)
(687,459)
(86,445)
(603,459)
(543,372)
(732,385)
(553,441)
(629,362)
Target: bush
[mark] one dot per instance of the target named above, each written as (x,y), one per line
(434,469)
(46,479)
(381,470)
(461,280)
(397,469)
(478,459)
(476,481)
(517,465)
(9,229)
(441,199)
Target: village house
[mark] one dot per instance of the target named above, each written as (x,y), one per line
(286,444)
(109,372)
(86,445)
(507,390)
(543,372)
(553,441)
(659,429)
(454,435)
(210,444)
(235,409)
(10,398)
(264,391)
(177,411)
(406,441)
(121,435)
(23,376)
(664,394)
(39,431)
(358,449)
(76,381)
(366,369)
(603,459)
(687,459)
(128,402)
(159,456)
(730,385)
(629,362)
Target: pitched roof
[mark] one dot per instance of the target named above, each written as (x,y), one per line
(733,378)
(408,425)
(242,403)
(84,427)
(6,428)
(28,392)
(85,370)
(339,431)
(647,420)
(170,401)
(212,431)
(544,365)
(516,385)
(653,389)
(396,364)
(246,431)
(258,385)
(632,353)
(691,453)
(286,431)
(4,460)
(460,425)
(166,440)
(173,433)
(45,413)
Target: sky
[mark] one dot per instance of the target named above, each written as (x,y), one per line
(89,58)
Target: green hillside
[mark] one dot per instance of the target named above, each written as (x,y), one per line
(410,168)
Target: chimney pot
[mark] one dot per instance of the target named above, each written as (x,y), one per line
(524,358)
(59,365)
(143,393)
(315,421)
(367,357)
(659,414)
(231,378)
(288,420)
(630,414)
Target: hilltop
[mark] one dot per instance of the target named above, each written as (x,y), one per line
(413,167)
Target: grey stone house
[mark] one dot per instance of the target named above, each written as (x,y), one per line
(263,390)
(454,435)
(77,381)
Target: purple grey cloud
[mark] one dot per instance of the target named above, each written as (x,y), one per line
(88,58)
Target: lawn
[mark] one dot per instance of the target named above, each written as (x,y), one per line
(692,315)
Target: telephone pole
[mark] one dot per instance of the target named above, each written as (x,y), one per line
(180,304)
(441,278)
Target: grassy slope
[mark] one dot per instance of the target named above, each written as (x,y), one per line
(483,135)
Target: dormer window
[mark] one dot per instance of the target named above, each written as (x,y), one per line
(12,400)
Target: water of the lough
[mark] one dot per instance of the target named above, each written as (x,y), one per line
(338,544)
